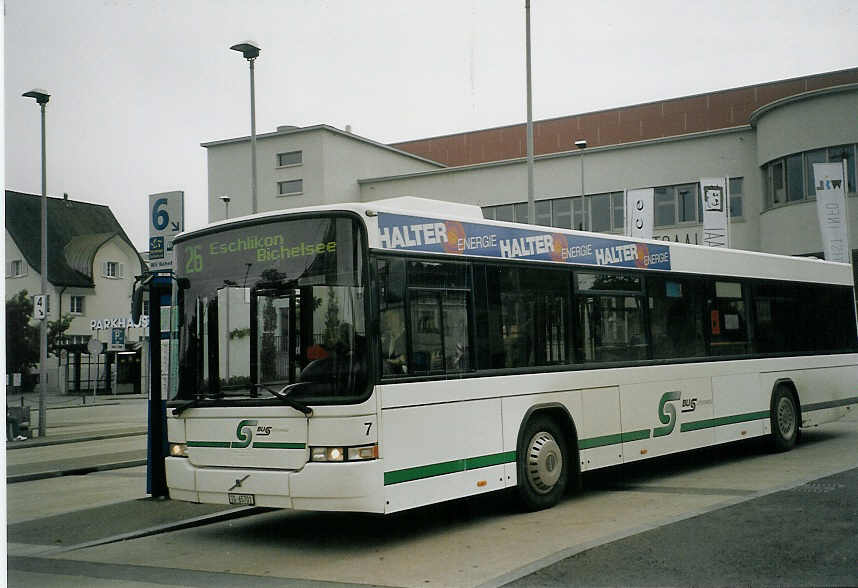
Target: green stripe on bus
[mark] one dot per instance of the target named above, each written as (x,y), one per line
(728,420)
(219,444)
(447,467)
(600,441)
(272,445)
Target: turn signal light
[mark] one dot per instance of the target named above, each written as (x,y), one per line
(178,450)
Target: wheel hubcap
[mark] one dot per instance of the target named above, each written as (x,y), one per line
(786,418)
(544,462)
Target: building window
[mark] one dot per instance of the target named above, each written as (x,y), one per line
(76,305)
(600,212)
(290,187)
(790,179)
(736,197)
(16,268)
(686,203)
(289,159)
(112,269)
(145,308)
(665,206)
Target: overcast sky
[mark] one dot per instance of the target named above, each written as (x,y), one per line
(137,85)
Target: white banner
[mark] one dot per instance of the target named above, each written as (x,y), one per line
(831,209)
(716,212)
(639,213)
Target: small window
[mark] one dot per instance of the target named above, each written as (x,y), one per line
(76,305)
(290,187)
(736,197)
(795,179)
(600,212)
(112,269)
(290,158)
(687,203)
(562,213)
(504,213)
(543,212)
(145,308)
(665,206)
(520,212)
(17,268)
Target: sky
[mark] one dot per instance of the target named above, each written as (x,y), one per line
(137,85)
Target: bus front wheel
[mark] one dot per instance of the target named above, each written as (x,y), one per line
(785,419)
(543,464)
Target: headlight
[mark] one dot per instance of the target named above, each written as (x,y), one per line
(178,450)
(327,454)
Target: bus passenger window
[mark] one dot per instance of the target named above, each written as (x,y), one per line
(394,341)
(610,317)
(439,298)
(729,323)
(676,317)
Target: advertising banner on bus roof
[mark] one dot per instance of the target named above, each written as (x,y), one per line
(431,235)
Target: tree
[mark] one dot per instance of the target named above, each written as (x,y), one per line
(22,339)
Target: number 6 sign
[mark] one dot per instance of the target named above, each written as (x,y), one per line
(166,220)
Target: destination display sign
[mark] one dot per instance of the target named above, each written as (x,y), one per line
(430,235)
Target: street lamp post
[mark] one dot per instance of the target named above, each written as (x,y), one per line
(42,98)
(250,51)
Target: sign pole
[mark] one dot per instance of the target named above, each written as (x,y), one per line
(156,478)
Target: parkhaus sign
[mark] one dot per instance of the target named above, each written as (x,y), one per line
(118,323)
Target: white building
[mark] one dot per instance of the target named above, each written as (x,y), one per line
(91,269)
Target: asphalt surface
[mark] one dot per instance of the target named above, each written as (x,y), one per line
(805,536)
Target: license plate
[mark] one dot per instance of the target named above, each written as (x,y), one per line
(242,499)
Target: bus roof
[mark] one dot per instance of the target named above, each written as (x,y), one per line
(426,226)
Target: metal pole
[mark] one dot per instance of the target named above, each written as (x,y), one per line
(531,205)
(43,330)
(254,207)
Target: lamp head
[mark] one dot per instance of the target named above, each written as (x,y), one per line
(249,49)
(225,199)
(41,96)
(581,144)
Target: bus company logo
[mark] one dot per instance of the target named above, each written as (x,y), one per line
(413,235)
(666,413)
(244,434)
(689,404)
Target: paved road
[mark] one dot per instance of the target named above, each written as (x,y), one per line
(660,522)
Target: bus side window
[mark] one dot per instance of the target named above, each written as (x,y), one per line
(439,305)
(393,337)
(676,320)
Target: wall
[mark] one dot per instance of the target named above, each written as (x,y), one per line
(605,169)
(229,173)
(824,118)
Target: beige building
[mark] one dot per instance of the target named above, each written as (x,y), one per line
(91,269)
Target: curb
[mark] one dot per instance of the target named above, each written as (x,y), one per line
(45,442)
(81,471)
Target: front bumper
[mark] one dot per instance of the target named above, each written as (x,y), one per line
(355,486)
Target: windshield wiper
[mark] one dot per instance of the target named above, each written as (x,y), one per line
(179,409)
(283,395)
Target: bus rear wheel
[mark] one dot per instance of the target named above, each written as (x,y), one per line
(785,419)
(543,464)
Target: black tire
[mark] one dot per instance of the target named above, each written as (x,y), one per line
(785,419)
(543,464)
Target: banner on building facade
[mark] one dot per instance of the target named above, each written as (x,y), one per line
(716,212)
(831,209)
(639,213)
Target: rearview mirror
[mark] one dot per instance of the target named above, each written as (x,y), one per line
(137,291)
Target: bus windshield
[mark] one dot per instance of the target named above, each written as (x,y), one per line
(270,309)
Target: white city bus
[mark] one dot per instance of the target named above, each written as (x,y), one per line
(387,355)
